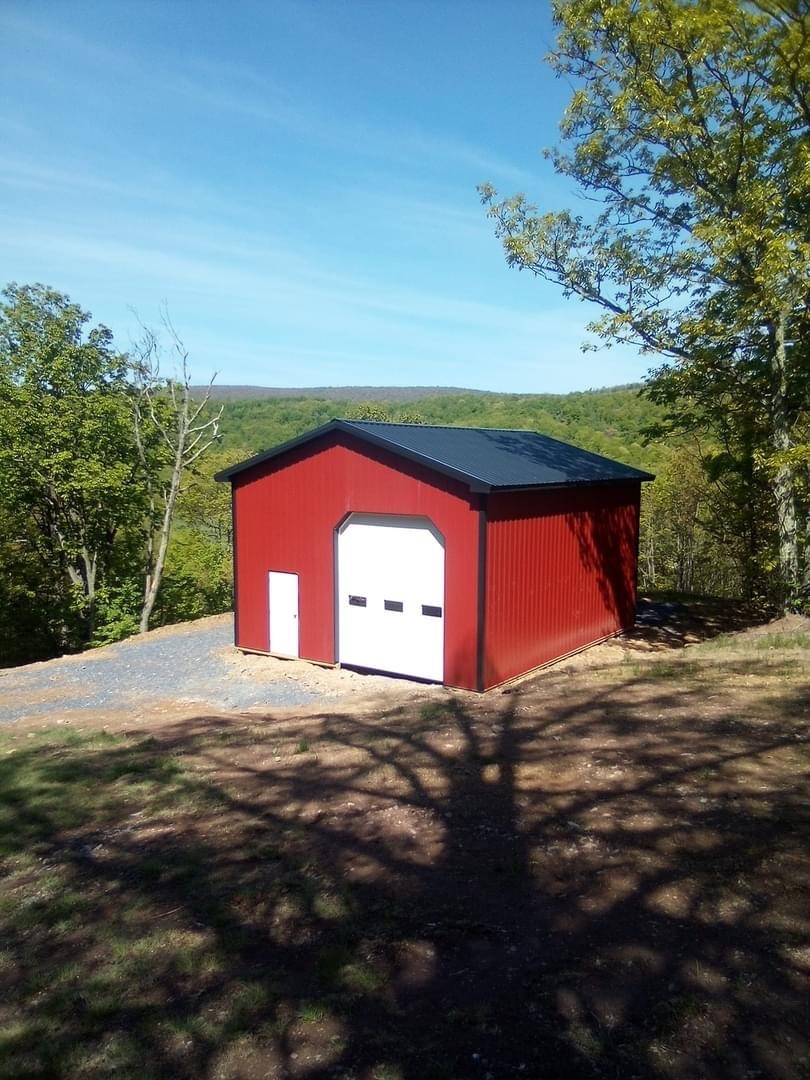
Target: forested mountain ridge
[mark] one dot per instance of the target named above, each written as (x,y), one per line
(608,421)
(341,393)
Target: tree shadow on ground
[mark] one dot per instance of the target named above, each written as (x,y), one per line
(673,620)
(605,881)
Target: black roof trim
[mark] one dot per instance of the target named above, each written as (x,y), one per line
(483,459)
(267,455)
(473,483)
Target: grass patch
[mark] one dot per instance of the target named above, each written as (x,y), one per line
(757,642)
(328,905)
(341,969)
(773,663)
(664,669)
(61,783)
(104,918)
(386,1071)
(313,1012)
(433,711)
(137,930)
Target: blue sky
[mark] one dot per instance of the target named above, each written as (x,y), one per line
(297,182)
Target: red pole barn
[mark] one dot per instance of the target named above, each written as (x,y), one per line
(464,556)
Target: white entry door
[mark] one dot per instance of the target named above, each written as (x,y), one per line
(391,595)
(282,595)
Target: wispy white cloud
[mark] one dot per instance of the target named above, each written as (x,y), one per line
(123,186)
(48,32)
(307,317)
(246,270)
(241,91)
(338,244)
(17,172)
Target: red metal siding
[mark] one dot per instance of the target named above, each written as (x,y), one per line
(287,510)
(560,573)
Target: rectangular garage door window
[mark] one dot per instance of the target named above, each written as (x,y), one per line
(393,605)
(428,609)
(357,601)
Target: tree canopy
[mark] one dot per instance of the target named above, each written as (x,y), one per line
(93,452)
(65,434)
(689,133)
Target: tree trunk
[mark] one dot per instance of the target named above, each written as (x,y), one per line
(80,574)
(89,561)
(191,437)
(784,486)
(155,573)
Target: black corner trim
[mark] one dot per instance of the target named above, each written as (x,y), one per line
(233,568)
(482,588)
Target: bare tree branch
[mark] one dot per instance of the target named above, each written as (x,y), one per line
(185,440)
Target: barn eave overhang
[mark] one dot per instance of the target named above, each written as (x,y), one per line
(608,481)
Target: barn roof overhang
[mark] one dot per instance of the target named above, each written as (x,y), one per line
(381,435)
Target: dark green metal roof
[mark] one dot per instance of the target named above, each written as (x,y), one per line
(485,459)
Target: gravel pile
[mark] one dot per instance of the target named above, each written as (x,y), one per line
(192,663)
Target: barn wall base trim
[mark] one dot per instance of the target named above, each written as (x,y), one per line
(281,656)
(506,684)
(509,683)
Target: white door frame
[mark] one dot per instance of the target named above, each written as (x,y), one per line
(283,637)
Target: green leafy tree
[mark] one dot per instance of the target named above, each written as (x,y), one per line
(33,613)
(204,504)
(689,538)
(382,411)
(689,132)
(198,578)
(94,449)
(67,460)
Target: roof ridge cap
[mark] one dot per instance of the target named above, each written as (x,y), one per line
(442,427)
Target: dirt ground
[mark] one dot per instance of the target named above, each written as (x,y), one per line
(601,871)
(663,631)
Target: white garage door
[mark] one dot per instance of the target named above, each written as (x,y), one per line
(391,595)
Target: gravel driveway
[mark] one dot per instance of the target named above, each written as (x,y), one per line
(195,663)
(189,663)
(192,663)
